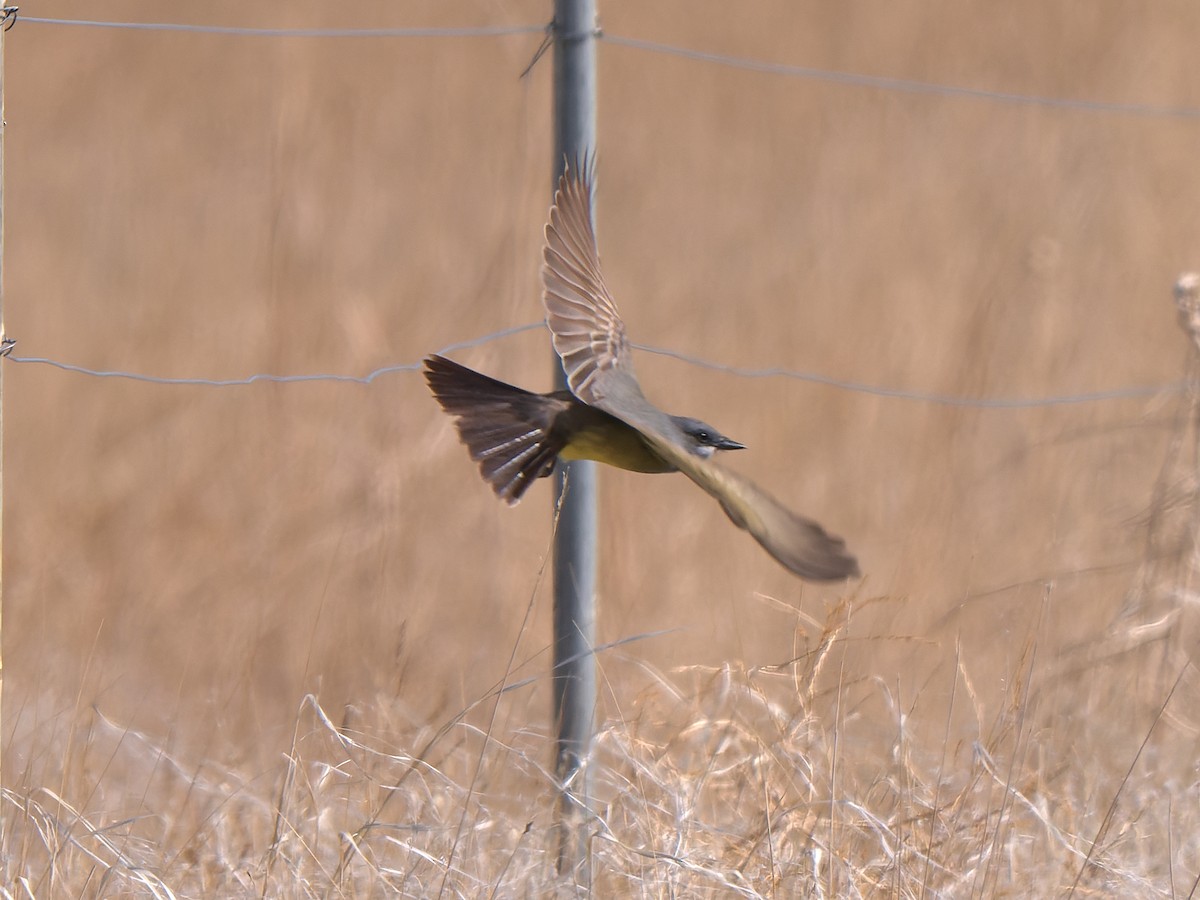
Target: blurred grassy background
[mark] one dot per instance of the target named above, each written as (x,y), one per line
(193,560)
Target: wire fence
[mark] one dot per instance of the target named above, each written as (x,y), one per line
(849,79)
(241,31)
(857,387)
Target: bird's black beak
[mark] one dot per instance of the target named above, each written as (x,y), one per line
(729,444)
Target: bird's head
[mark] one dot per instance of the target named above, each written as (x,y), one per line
(702,439)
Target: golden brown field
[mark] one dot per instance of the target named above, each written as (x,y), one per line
(254,636)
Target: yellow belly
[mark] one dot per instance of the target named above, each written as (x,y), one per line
(619,446)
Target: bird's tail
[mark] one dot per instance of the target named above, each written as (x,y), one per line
(507,430)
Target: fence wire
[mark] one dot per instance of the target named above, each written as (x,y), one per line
(242,31)
(856,387)
(902,85)
(849,79)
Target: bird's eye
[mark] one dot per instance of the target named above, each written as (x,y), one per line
(703,437)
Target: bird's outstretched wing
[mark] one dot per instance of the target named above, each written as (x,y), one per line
(799,544)
(589,338)
(587,330)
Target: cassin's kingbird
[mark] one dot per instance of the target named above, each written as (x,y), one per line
(517,436)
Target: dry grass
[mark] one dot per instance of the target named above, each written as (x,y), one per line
(788,781)
(244,626)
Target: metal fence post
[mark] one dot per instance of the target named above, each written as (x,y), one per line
(575,538)
(9,18)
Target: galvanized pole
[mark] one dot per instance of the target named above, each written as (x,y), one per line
(9,16)
(575,539)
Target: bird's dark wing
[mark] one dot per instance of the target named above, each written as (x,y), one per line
(587,330)
(799,544)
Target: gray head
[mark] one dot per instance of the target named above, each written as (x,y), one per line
(702,439)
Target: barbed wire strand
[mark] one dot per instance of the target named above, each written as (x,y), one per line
(237,30)
(856,387)
(904,85)
(940,399)
(879,82)
(267,377)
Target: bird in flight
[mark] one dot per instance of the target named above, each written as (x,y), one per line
(517,436)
